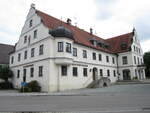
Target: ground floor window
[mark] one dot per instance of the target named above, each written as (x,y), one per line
(114,73)
(64,70)
(75,71)
(101,72)
(85,72)
(108,73)
(24,75)
(40,71)
(32,72)
(18,73)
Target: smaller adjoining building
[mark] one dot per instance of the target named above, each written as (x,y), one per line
(4,53)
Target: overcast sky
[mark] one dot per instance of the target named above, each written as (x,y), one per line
(108,18)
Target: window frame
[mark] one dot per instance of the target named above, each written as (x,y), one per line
(40,71)
(124,60)
(25,39)
(100,57)
(18,73)
(107,58)
(35,34)
(30,23)
(25,54)
(32,52)
(114,72)
(19,57)
(101,72)
(32,72)
(41,49)
(75,52)
(68,47)
(85,72)
(94,56)
(63,70)
(108,72)
(60,46)
(75,71)
(84,54)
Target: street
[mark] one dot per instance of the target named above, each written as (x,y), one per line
(115,99)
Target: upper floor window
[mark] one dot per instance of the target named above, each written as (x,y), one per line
(18,73)
(30,23)
(108,73)
(141,61)
(32,52)
(94,56)
(101,72)
(35,34)
(138,60)
(19,57)
(12,60)
(41,49)
(124,60)
(60,46)
(25,55)
(134,48)
(107,58)
(40,71)
(114,73)
(113,60)
(84,72)
(68,47)
(31,72)
(100,57)
(74,51)
(64,70)
(84,54)
(25,39)
(134,59)
(75,71)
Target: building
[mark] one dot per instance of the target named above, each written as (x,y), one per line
(61,56)
(4,53)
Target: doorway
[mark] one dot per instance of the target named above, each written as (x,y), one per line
(126,74)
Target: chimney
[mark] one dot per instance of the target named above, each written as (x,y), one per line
(69,21)
(91,31)
(33,5)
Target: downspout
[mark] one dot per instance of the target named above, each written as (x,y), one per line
(58,79)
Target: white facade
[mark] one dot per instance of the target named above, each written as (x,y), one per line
(52,61)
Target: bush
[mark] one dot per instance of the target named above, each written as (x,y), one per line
(135,78)
(32,86)
(6,85)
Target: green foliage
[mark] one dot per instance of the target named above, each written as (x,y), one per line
(32,86)
(5,73)
(135,78)
(147,63)
(6,85)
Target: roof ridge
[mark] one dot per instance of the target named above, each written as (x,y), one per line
(119,36)
(6,44)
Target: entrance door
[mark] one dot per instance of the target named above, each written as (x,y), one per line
(95,74)
(126,75)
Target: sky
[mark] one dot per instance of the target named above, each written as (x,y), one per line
(108,18)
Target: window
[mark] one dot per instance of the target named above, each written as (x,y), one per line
(124,60)
(135,72)
(74,51)
(114,73)
(100,57)
(134,48)
(25,39)
(30,24)
(64,70)
(108,73)
(94,56)
(18,73)
(141,61)
(101,72)
(41,49)
(32,52)
(134,59)
(84,54)
(138,60)
(25,55)
(75,71)
(107,58)
(19,57)
(40,71)
(68,47)
(12,60)
(60,46)
(31,72)
(113,60)
(35,34)
(85,72)
(24,75)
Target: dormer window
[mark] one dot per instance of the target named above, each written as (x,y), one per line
(30,24)
(123,46)
(94,42)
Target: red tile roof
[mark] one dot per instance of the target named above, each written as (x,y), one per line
(82,37)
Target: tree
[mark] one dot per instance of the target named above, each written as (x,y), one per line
(147,63)
(5,73)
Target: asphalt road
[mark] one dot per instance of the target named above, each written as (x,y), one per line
(115,99)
